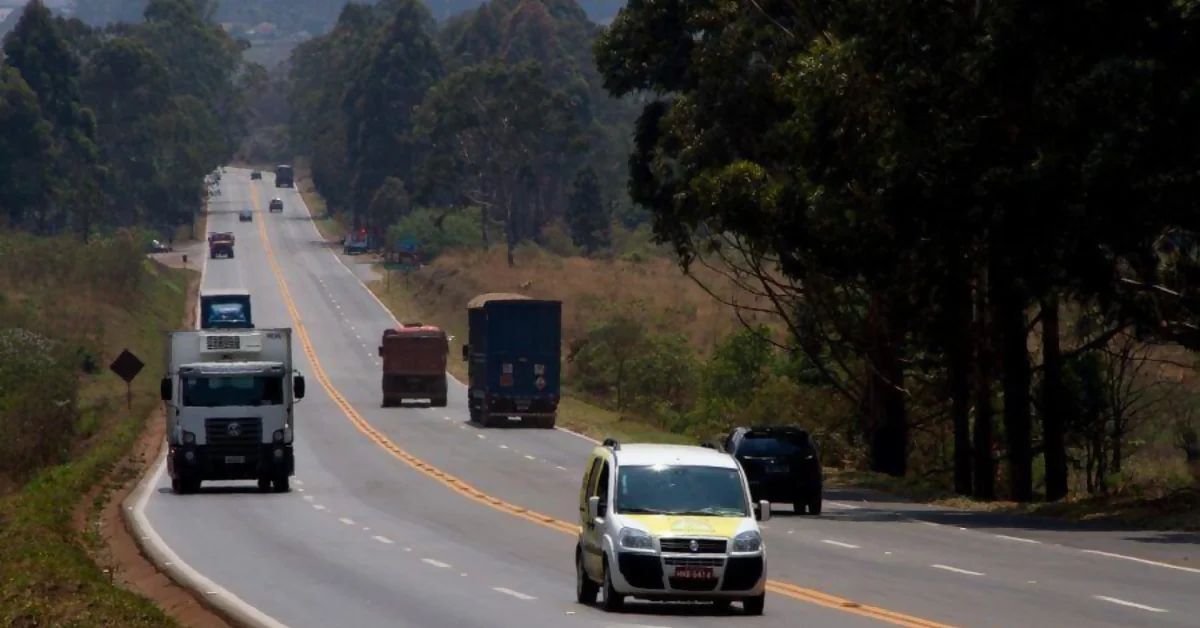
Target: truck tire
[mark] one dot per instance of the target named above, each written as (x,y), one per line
(264,484)
(547,422)
(754,605)
(282,484)
(439,402)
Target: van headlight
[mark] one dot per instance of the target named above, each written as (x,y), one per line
(189,438)
(750,541)
(632,538)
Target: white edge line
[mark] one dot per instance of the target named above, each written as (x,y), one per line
(966,572)
(1130,604)
(395,320)
(159,553)
(1142,560)
(516,594)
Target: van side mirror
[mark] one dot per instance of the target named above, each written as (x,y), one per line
(298,386)
(764,510)
(466,351)
(164,389)
(593,508)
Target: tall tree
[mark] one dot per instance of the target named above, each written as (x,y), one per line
(26,150)
(587,216)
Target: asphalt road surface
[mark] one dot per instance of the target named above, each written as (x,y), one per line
(416,517)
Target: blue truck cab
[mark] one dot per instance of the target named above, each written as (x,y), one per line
(513,359)
(225,309)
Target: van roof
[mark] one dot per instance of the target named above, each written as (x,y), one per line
(644,455)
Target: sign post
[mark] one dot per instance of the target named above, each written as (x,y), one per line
(127,366)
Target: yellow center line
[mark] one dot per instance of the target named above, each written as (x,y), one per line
(470,492)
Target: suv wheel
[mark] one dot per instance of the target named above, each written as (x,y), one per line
(585,589)
(754,605)
(814,505)
(613,601)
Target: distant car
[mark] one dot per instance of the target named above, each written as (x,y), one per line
(245,216)
(255,175)
(276,205)
(355,244)
(781,463)
(158,246)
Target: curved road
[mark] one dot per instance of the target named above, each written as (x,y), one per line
(416,517)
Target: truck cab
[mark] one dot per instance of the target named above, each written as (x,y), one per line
(225,309)
(513,359)
(230,397)
(414,364)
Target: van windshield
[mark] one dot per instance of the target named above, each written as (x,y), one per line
(238,390)
(680,490)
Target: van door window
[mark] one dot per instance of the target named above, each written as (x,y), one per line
(602,490)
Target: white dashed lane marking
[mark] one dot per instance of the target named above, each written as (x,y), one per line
(1121,602)
(318,507)
(436,563)
(839,544)
(516,594)
(1018,539)
(346,520)
(966,572)
(1143,561)
(383,539)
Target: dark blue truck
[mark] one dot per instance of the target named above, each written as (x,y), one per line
(225,309)
(512,355)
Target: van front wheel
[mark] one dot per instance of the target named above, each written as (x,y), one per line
(754,605)
(613,601)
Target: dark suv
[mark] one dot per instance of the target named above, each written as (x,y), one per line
(781,463)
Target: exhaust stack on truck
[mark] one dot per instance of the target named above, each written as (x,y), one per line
(230,397)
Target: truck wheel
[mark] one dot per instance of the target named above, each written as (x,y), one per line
(547,422)
(473,413)
(264,484)
(814,505)
(440,402)
(177,486)
(191,485)
(282,484)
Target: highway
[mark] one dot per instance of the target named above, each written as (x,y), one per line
(416,517)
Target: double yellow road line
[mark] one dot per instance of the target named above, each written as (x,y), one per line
(470,492)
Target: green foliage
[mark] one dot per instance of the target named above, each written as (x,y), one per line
(38,396)
(436,231)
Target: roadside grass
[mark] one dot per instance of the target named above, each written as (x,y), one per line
(49,578)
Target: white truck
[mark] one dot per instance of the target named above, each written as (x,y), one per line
(229,398)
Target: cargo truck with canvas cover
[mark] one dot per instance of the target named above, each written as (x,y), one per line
(229,398)
(414,364)
(512,355)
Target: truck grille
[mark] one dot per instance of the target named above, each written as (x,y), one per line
(221,433)
(222,343)
(684,546)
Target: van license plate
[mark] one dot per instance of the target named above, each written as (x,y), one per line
(235,459)
(694,573)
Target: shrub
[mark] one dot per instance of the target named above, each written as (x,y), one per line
(38,398)
(457,229)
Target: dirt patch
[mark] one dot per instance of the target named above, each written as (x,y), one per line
(111,543)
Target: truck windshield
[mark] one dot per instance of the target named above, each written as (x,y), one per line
(227,313)
(238,390)
(680,490)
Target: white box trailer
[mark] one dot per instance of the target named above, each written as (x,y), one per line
(230,396)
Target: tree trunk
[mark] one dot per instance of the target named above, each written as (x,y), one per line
(959,355)
(889,433)
(985,466)
(1010,317)
(1118,439)
(1053,407)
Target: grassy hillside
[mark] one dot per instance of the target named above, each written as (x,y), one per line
(84,304)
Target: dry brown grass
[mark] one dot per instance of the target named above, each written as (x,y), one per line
(586,287)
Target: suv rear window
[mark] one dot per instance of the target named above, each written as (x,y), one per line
(774,445)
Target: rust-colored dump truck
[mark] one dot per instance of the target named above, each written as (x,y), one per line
(414,364)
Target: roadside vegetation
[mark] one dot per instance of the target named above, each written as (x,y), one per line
(894,296)
(66,311)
